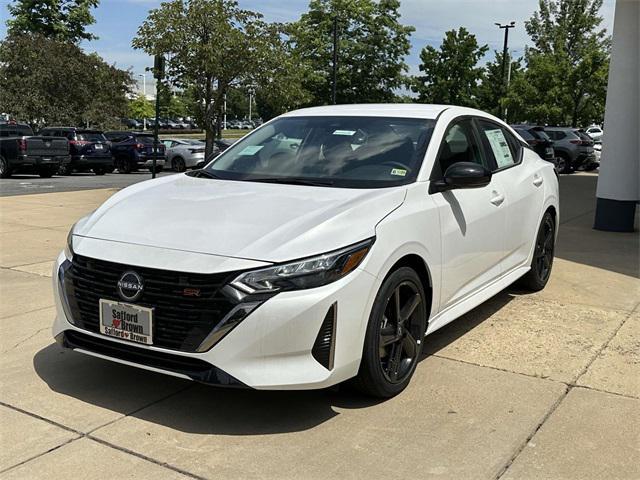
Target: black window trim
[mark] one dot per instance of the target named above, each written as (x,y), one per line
(519,154)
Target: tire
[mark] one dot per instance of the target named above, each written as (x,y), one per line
(124,166)
(5,168)
(178,164)
(46,172)
(385,370)
(542,262)
(99,171)
(65,169)
(566,163)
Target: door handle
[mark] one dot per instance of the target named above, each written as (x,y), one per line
(497,199)
(537,180)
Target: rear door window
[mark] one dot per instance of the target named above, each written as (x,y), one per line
(498,142)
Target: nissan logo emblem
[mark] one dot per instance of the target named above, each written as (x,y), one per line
(130,286)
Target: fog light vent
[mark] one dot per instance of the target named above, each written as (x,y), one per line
(324,347)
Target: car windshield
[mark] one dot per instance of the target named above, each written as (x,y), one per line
(352,152)
(148,139)
(91,137)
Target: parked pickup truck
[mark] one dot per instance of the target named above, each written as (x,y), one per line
(22,151)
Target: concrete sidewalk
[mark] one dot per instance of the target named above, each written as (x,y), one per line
(523,387)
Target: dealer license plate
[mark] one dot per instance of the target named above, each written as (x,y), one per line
(126,321)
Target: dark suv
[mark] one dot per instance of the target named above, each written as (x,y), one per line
(574,146)
(89,150)
(134,150)
(540,143)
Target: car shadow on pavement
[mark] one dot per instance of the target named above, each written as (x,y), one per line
(195,408)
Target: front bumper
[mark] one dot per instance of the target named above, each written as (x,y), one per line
(270,349)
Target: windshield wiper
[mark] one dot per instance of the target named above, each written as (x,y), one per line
(292,181)
(203,173)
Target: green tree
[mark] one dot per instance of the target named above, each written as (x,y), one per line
(450,74)
(491,90)
(31,69)
(211,46)
(567,66)
(140,107)
(372,46)
(59,19)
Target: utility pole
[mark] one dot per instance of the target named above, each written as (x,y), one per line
(335,60)
(505,53)
(225,113)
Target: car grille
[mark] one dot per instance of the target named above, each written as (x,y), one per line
(179,322)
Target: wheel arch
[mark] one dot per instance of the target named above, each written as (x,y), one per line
(419,265)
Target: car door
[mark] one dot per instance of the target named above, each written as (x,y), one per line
(472,220)
(517,174)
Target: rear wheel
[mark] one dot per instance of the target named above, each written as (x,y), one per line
(5,169)
(393,341)
(536,278)
(99,171)
(178,164)
(124,166)
(564,164)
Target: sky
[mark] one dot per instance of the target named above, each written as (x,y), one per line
(118,20)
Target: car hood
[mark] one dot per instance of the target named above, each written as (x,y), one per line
(251,220)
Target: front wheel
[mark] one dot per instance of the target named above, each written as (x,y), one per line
(99,170)
(536,278)
(393,341)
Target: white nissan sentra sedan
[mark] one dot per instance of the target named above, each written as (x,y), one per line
(322,247)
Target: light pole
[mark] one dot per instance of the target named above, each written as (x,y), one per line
(224,121)
(505,52)
(144,94)
(252,91)
(334,81)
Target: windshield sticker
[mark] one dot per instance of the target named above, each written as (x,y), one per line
(347,133)
(500,147)
(399,172)
(251,150)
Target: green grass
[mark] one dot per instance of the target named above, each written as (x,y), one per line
(231,134)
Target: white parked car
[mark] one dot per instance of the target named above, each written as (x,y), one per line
(183,153)
(595,133)
(323,246)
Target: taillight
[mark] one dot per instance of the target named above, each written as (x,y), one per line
(140,146)
(22,144)
(576,142)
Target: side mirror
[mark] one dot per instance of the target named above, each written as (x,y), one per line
(462,175)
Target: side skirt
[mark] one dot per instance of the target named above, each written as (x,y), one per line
(469,303)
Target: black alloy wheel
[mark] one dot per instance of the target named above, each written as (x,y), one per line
(394,337)
(399,339)
(543,253)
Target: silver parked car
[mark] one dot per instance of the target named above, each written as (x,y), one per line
(183,153)
(574,146)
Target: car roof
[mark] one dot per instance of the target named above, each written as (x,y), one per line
(406,110)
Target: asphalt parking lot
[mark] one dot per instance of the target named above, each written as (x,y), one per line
(529,386)
(20,184)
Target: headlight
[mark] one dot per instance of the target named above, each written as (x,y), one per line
(68,249)
(307,273)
